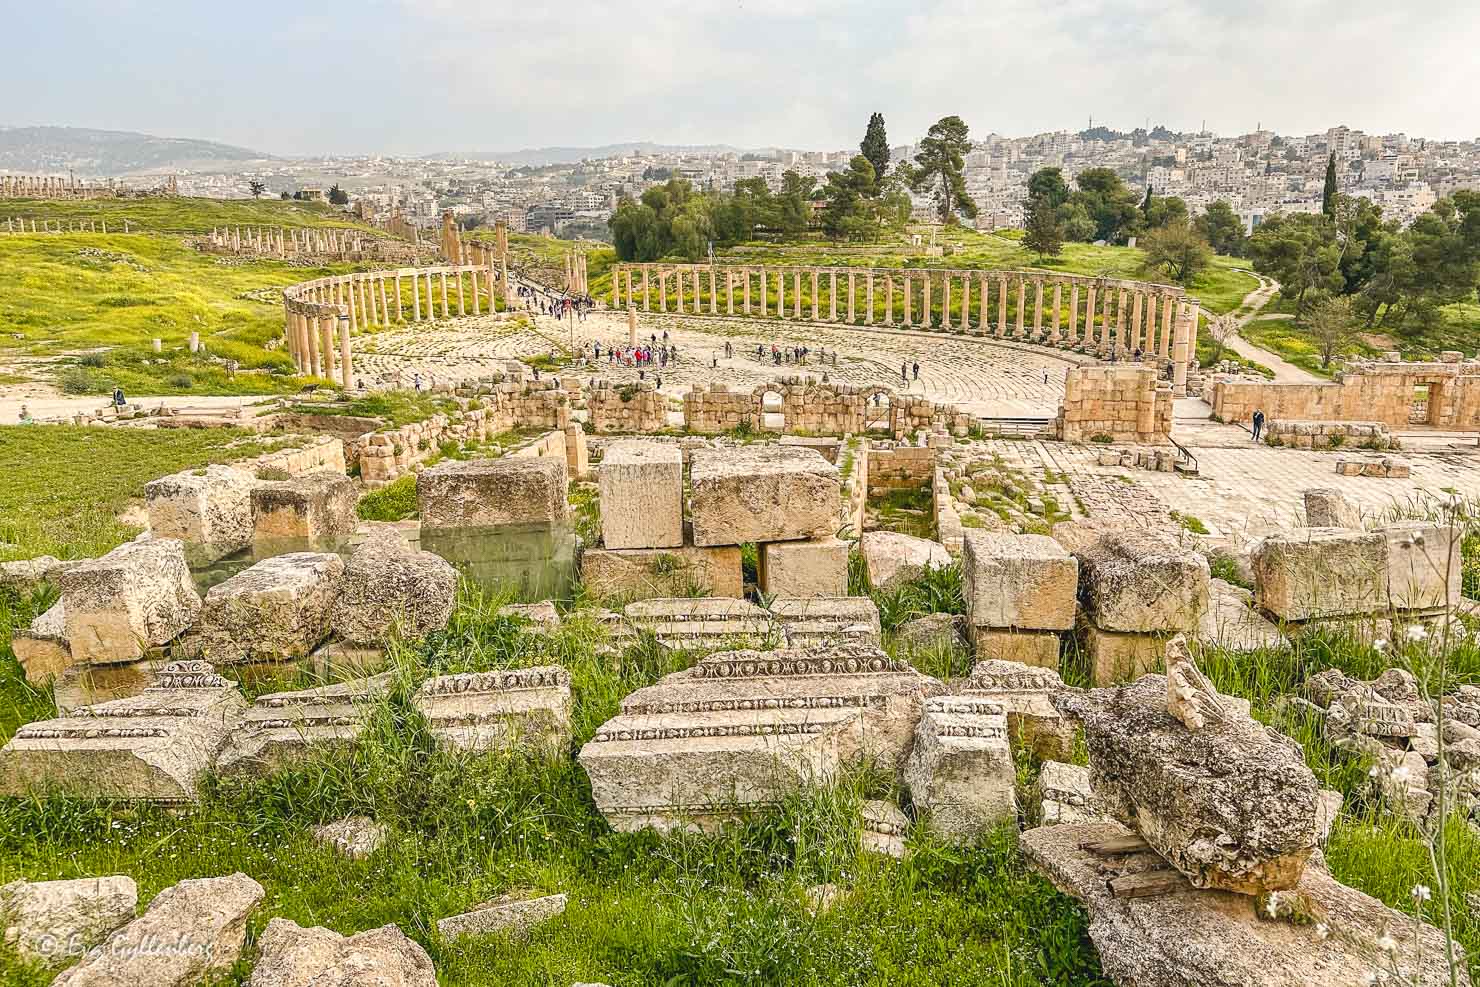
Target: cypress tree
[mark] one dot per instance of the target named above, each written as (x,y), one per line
(1328,194)
(1146,203)
(875,146)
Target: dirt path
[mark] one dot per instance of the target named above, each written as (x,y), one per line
(1250,310)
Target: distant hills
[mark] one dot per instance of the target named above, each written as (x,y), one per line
(107,153)
(571,155)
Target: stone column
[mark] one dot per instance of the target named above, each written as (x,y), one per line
(746,275)
(888,299)
(1120,318)
(1022,307)
(1136,317)
(1037,309)
(346,374)
(781,294)
(1053,335)
(1167,327)
(816,275)
(852,287)
(1089,317)
(713,290)
(1001,307)
(460,310)
(385,312)
(832,296)
(616,289)
(925,314)
(729,292)
(445,311)
(431,299)
(763,283)
(662,291)
(631,325)
(326,346)
(945,303)
(626,287)
(1182,348)
(909,301)
(868,297)
(984,289)
(796,294)
(350,288)
(647,305)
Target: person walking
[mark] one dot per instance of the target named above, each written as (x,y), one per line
(917,369)
(904,372)
(1258,422)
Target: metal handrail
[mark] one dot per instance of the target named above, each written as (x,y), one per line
(1185,452)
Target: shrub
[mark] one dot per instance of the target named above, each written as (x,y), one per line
(273,473)
(75,381)
(183,382)
(1101,438)
(92,360)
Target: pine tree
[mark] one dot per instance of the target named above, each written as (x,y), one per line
(1328,194)
(1043,231)
(1146,202)
(875,146)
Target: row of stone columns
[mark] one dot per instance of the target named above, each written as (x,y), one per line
(576,281)
(288,241)
(52,187)
(1109,317)
(18,225)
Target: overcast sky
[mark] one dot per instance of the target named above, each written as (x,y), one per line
(417,76)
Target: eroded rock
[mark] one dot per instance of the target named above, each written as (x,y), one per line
(292,956)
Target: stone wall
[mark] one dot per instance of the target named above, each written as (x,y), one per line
(325,454)
(1385,391)
(814,407)
(1329,435)
(632,408)
(1126,403)
(899,467)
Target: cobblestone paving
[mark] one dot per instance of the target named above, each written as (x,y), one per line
(984,377)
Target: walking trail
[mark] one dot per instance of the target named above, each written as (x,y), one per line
(1248,311)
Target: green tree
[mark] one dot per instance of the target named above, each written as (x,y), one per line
(1330,323)
(795,202)
(1146,202)
(848,213)
(1177,251)
(1163,211)
(1044,228)
(256,188)
(1300,252)
(875,147)
(1077,224)
(940,168)
(1222,228)
(1048,184)
(1109,204)
(338,196)
(1328,192)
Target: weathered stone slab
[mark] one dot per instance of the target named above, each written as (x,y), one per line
(821,621)
(960,768)
(742,729)
(1026,695)
(1232,623)
(701,622)
(1327,508)
(932,632)
(152,746)
(273,610)
(890,557)
(641,490)
(24,576)
(761,494)
(136,597)
(1064,795)
(539,618)
(56,922)
(1310,573)
(816,567)
(1143,582)
(206,919)
(645,573)
(883,828)
(1120,657)
(1040,648)
(1228,802)
(1220,939)
(313,512)
(209,510)
(492,493)
(389,590)
(1024,582)
(356,837)
(292,956)
(282,729)
(508,915)
(42,648)
(508,708)
(1424,565)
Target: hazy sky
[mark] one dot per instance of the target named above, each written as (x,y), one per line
(416,76)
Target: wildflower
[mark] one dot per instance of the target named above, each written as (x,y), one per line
(1416,632)
(1422,892)
(1322,930)
(1380,645)
(1386,944)
(1272,904)
(1400,774)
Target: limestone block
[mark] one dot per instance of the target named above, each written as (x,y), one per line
(883,828)
(89,685)
(283,729)
(960,769)
(1143,582)
(1018,581)
(742,729)
(209,914)
(152,746)
(1026,694)
(136,597)
(890,557)
(316,511)
(1308,573)
(817,567)
(209,509)
(641,490)
(275,609)
(1327,508)
(1040,648)
(24,576)
(55,922)
(644,573)
(539,618)
(389,589)
(510,915)
(355,837)
(1064,795)
(483,711)
(1115,656)
(810,622)
(700,622)
(42,648)
(292,956)
(761,494)
(492,493)
(932,632)
(1232,623)
(1423,569)
(1225,800)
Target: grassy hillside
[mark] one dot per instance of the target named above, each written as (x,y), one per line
(179,215)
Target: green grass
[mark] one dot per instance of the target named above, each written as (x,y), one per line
(183,215)
(62,486)
(396,501)
(1290,341)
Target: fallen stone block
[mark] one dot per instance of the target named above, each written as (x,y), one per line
(932,632)
(292,956)
(645,573)
(209,510)
(389,590)
(508,915)
(25,576)
(883,829)
(493,493)
(1311,573)
(960,768)
(1225,800)
(1424,565)
(1232,623)
(56,922)
(701,622)
(641,491)
(1322,932)
(540,618)
(891,558)
(1348,467)
(1039,648)
(816,567)
(153,746)
(355,837)
(205,919)
(273,610)
(504,709)
(1120,657)
(42,648)
(759,494)
(284,729)
(1025,694)
(1143,582)
(1064,795)
(816,622)
(742,729)
(136,597)
(1025,582)
(314,512)
(1327,508)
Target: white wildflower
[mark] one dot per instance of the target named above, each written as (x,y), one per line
(1416,632)
(1379,645)
(1322,930)
(1422,892)
(1386,944)
(1272,904)
(1400,774)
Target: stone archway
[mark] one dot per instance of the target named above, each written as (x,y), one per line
(878,410)
(769,401)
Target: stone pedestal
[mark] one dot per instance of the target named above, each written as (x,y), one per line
(641,490)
